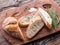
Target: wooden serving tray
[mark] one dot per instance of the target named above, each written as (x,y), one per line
(22,10)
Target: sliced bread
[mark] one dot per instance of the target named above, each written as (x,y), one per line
(45,17)
(34,27)
(25,20)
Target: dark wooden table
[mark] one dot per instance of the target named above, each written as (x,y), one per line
(50,40)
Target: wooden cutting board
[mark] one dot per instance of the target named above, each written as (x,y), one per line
(22,10)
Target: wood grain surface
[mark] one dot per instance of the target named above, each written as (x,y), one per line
(53,40)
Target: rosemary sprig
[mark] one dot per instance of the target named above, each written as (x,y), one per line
(53,14)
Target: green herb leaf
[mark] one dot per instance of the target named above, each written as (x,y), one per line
(53,14)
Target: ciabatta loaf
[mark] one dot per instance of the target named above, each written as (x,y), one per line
(34,27)
(46,17)
(11,25)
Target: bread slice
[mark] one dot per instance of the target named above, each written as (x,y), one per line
(46,17)
(10,24)
(25,20)
(34,27)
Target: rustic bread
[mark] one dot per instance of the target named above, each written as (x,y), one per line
(34,27)
(10,24)
(45,17)
(25,20)
(9,20)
